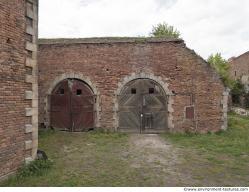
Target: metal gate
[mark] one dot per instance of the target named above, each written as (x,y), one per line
(143,107)
(72,106)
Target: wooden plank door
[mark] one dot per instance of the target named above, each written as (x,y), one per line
(143,107)
(72,106)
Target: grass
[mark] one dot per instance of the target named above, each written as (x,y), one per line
(233,142)
(221,157)
(91,159)
(104,159)
(35,168)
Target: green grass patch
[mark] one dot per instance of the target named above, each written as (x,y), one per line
(33,169)
(219,155)
(232,142)
(102,159)
(80,159)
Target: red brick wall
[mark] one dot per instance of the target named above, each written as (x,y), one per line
(107,62)
(239,66)
(13,86)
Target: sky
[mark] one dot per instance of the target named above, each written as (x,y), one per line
(207,26)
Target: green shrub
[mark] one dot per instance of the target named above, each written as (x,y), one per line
(35,168)
(221,66)
(163,30)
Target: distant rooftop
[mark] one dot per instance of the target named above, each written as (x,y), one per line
(106,40)
(234,58)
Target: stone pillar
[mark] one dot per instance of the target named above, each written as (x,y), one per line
(224,103)
(31,62)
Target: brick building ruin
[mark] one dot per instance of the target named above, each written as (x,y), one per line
(239,69)
(18,84)
(141,85)
(146,85)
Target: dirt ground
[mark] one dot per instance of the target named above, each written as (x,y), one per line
(159,157)
(107,159)
(174,166)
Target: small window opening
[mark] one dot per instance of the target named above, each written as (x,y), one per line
(79,92)
(61,91)
(133,91)
(235,73)
(151,90)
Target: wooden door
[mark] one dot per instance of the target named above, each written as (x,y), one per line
(60,107)
(72,106)
(82,107)
(143,107)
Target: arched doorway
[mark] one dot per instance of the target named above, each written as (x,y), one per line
(143,107)
(72,106)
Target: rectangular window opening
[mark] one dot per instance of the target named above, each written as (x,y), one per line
(133,91)
(79,92)
(61,92)
(151,90)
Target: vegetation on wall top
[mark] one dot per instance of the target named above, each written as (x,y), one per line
(163,30)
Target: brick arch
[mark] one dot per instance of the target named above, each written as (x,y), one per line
(81,77)
(158,80)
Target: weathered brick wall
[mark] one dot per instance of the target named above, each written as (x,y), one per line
(239,66)
(15,90)
(107,62)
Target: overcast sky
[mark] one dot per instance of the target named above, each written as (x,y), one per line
(207,26)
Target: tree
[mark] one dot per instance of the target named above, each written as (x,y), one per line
(222,67)
(164,30)
(238,90)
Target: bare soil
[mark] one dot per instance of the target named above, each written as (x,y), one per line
(168,165)
(156,155)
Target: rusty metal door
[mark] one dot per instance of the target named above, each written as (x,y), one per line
(72,106)
(143,107)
